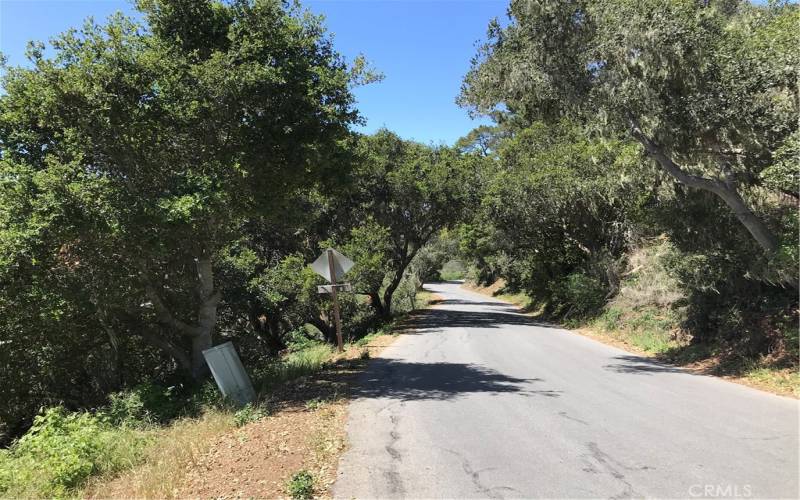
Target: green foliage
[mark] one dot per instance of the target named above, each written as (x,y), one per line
(573,210)
(61,450)
(143,404)
(708,89)
(250,413)
(406,193)
(128,409)
(428,262)
(555,216)
(301,485)
(453,270)
(784,174)
(369,246)
(610,318)
(582,294)
(144,186)
(293,365)
(302,338)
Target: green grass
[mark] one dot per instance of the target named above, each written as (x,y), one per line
(651,341)
(306,361)
(646,328)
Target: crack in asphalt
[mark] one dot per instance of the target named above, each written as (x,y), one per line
(565,415)
(475,477)
(392,475)
(611,467)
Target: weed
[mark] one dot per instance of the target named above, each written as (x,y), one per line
(250,413)
(314,404)
(301,485)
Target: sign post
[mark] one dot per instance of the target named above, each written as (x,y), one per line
(335,301)
(331,265)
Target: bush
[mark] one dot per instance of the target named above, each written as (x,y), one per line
(301,485)
(580,294)
(61,450)
(127,408)
(250,413)
(610,319)
(145,403)
(304,337)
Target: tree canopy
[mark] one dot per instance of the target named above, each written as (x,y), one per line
(709,89)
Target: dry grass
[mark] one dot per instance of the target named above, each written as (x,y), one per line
(173,450)
(647,282)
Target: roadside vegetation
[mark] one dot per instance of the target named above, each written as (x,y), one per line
(640,186)
(146,439)
(165,182)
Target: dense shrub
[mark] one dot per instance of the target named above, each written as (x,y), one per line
(62,449)
(579,295)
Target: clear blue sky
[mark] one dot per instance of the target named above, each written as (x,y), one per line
(422,47)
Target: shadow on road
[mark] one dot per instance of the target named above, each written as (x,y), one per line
(643,366)
(501,305)
(403,380)
(502,315)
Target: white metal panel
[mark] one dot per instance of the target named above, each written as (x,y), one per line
(228,372)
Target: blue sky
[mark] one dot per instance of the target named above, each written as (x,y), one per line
(423,47)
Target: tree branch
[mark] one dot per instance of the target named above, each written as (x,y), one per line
(165,345)
(163,314)
(726,189)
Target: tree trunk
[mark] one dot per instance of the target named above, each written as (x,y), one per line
(376,303)
(726,190)
(389,292)
(199,334)
(327,331)
(199,344)
(207,316)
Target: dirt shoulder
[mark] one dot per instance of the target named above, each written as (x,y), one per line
(780,381)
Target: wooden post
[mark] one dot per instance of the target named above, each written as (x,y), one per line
(335,302)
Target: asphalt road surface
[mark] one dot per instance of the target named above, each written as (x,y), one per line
(482,402)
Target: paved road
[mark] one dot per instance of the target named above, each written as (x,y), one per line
(483,402)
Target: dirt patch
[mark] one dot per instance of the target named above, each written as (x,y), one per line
(258,460)
(304,431)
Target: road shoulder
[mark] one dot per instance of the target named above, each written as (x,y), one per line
(705,367)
